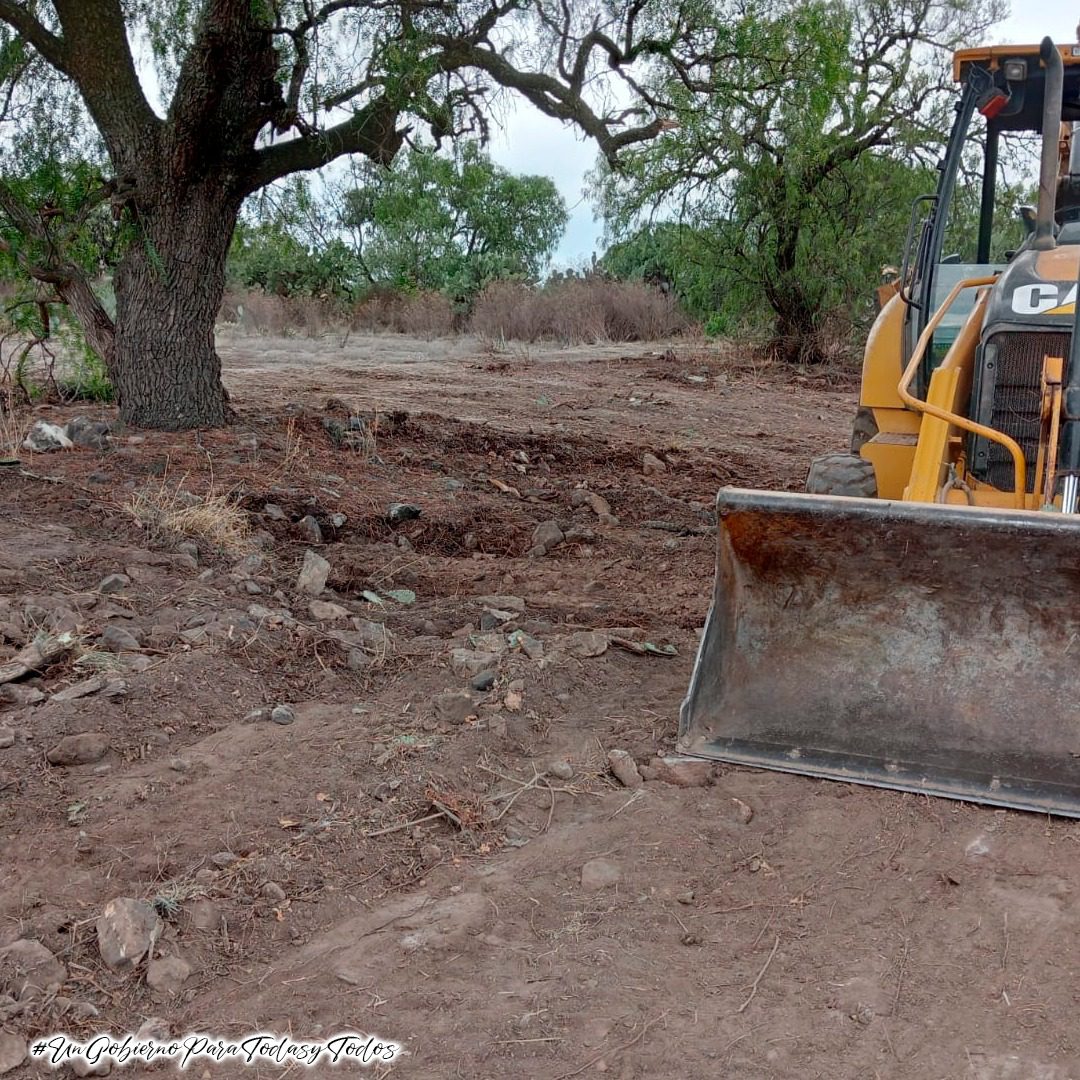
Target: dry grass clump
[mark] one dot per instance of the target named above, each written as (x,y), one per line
(256,312)
(577,312)
(11,429)
(169,513)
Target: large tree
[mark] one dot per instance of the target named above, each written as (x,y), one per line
(799,145)
(251,91)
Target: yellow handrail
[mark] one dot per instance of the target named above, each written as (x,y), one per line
(962,422)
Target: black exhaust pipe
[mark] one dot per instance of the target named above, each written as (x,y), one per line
(1053,92)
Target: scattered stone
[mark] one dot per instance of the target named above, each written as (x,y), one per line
(683,771)
(324,611)
(27,965)
(126,931)
(357,660)
(313,574)
(310,529)
(686,897)
(117,639)
(205,915)
(166,976)
(282,714)
(190,549)
(484,681)
(21,695)
(91,434)
(505,603)
(222,859)
(561,769)
(44,437)
(515,696)
(36,657)
(98,476)
(587,643)
(397,513)
(257,716)
(599,874)
(79,749)
(624,768)
(253,588)
(743,812)
(338,520)
(195,635)
(153,1027)
(7,738)
(453,707)
(12,1051)
(546,536)
(250,564)
(80,689)
(652,465)
(273,892)
(466,663)
(275,512)
(431,854)
(179,764)
(114,583)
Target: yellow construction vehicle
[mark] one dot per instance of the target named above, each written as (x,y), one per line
(913,620)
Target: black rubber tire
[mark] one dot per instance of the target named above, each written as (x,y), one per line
(842,474)
(864,428)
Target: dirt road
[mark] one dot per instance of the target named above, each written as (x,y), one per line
(400,852)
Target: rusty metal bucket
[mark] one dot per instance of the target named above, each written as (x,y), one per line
(921,647)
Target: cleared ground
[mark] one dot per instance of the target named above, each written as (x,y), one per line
(757,926)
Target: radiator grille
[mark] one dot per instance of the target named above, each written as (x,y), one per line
(1017,400)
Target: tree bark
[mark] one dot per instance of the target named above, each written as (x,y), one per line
(169,287)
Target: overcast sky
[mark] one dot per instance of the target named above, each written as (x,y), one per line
(530,142)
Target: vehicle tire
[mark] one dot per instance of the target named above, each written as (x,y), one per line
(864,428)
(842,474)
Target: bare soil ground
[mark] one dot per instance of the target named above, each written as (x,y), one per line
(758,925)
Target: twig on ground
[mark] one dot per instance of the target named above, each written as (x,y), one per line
(760,975)
(615,1050)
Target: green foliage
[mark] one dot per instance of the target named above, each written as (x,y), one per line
(452,223)
(797,153)
(265,256)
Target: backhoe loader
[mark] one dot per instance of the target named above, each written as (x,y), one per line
(913,620)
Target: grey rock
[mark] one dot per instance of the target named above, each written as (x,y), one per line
(454,707)
(195,635)
(114,583)
(12,1051)
(273,892)
(257,716)
(358,661)
(397,513)
(253,588)
(282,714)
(91,434)
(80,689)
(127,930)
(205,915)
(44,437)
(97,477)
(324,611)
(117,639)
(313,574)
(561,769)
(599,874)
(79,749)
(21,695)
(651,465)
(222,859)
(504,603)
(190,549)
(624,768)
(467,663)
(250,564)
(166,976)
(275,512)
(682,771)
(547,535)
(484,681)
(310,529)
(82,1067)
(7,738)
(338,520)
(28,966)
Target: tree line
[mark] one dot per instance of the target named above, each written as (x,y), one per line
(758,160)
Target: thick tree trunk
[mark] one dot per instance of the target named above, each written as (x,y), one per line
(168,292)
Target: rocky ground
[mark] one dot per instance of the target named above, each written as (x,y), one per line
(355,717)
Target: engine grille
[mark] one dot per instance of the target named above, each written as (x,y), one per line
(1017,400)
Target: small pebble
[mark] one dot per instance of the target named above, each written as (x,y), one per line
(283,715)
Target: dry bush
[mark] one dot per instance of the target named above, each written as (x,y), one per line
(257,312)
(426,315)
(169,513)
(12,427)
(378,309)
(577,312)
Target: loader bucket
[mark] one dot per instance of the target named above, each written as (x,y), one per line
(927,648)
